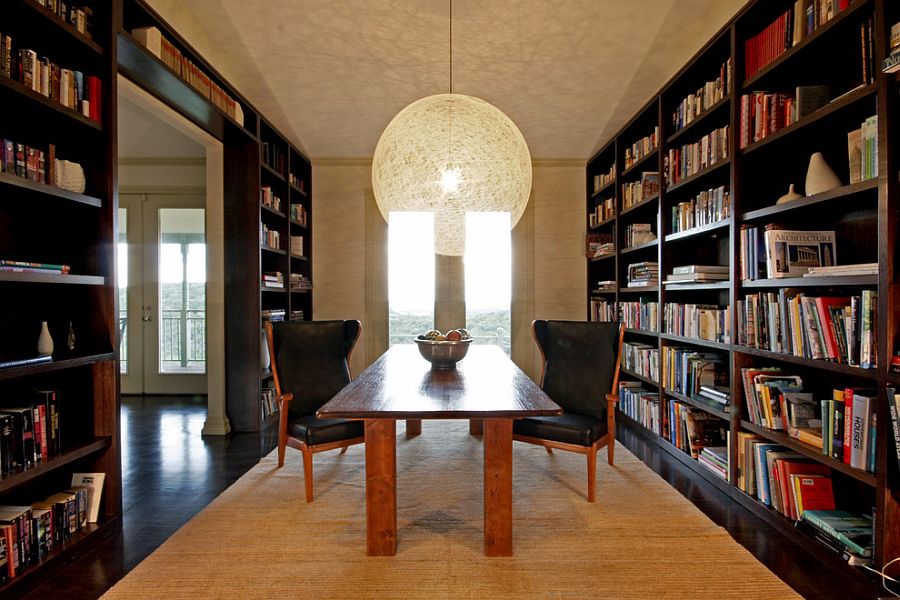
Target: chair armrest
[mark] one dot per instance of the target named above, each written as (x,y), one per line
(612,398)
(283,400)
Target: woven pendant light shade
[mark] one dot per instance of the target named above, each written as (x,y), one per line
(450,154)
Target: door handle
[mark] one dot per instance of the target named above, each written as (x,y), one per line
(146,318)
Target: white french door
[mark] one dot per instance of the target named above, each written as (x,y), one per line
(162,293)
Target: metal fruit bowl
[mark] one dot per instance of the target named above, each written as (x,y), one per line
(443,355)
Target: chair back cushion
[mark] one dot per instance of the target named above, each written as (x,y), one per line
(312,360)
(580,361)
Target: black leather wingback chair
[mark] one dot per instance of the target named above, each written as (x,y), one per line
(310,364)
(580,373)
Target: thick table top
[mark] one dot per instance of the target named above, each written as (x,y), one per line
(402,385)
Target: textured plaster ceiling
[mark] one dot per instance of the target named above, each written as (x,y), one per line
(332,73)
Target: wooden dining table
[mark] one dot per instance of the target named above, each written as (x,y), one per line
(486,386)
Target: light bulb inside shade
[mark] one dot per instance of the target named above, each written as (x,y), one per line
(450,181)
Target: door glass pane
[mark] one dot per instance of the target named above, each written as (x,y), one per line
(488,264)
(182,291)
(122,251)
(410,275)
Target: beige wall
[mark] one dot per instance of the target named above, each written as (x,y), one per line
(349,252)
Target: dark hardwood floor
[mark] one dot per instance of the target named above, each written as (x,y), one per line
(170,472)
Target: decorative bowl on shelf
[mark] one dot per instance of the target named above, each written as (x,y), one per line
(445,354)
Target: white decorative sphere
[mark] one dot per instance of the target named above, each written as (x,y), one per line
(450,154)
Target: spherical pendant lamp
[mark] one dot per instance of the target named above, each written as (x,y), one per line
(451,154)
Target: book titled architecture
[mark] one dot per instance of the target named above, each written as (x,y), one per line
(791,253)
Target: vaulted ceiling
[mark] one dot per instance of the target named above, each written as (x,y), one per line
(331,74)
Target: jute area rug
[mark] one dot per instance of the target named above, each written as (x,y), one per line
(641,539)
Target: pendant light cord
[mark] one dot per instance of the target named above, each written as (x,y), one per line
(451,46)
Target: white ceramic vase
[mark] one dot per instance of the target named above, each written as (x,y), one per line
(791,195)
(819,176)
(45,342)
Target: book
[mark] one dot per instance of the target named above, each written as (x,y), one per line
(861,421)
(801,467)
(718,269)
(790,253)
(93,484)
(810,98)
(851,530)
(811,492)
(893,399)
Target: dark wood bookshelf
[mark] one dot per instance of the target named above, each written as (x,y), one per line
(695,231)
(17,477)
(271,171)
(815,200)
(47,190)
(271,210)
(298,224)
(639,247)
(864,216)
(706,116)
(640,205)
(56,365)
(598,291)
(839,103)
(604,188)
(643,332)
(45,103)
(611,219)
(273,250)
(299,257)
(634,375)
(603,257)
(61,27)
(272,290)
(297,190)
(700,174)
(54,278)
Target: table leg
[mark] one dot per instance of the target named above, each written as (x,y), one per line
(381,487)
(498,487)
(413,427)
(476,426)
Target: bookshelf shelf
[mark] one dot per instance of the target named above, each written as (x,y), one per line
(782,438)
(850,280)
(603,223)
(298,224)
(634,375)
(638,248)
(273,250)
(20,183)
(643,332)
(704,405)
(62,27)
(57,365)
(639,290)
(599,291)
(271,171)
(683,287)
(299,257)
(699,175)
(297,190)
(20,476)
(604,188)
(641,204)
(695,231)
(52,278)
(45,103)
(809,362)
(826,111)
(811,201)
(272,290)
(812,40)
(716,109)
(695,341)
(603,257)
(643,162)
(272,210)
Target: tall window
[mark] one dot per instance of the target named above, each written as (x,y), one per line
(410,275)
(488,265)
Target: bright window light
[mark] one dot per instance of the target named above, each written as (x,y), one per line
(488,265)
(410,275)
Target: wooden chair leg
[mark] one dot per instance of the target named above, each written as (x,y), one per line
(611,443)
(308,473)
(592,472)
(610,451)
(282,432)
(549,449)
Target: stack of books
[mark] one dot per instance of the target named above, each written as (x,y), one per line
(844,532)
(715,459)
(718,394)
(273,279)
(19,266)
(274,314)
(643,274)
(698,274)
(300,282)
(843,270)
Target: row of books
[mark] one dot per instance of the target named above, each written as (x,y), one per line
(638,233)
(681,163)
(862,150)
(273,156)
(30,431)
(848,426)
(296,315)
(699,102)
(643,315)
(788,30)
(79,18)
(270,238)
(273,315)
(273,279)
(708,207)
(643,274)
(268,404)
(269,199)
(298,214)
(21,266)
(699,321)
(641,148)
(601,180)
(603,210)
(893,400)
(603,310)
(640,405)
(645,188)
(764,113)
(297,245)
(28,533)
(153,40)
(599,244)
(641,359)
(686,369)
(297,183)
(840,329)
(70,88)
(776,253)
